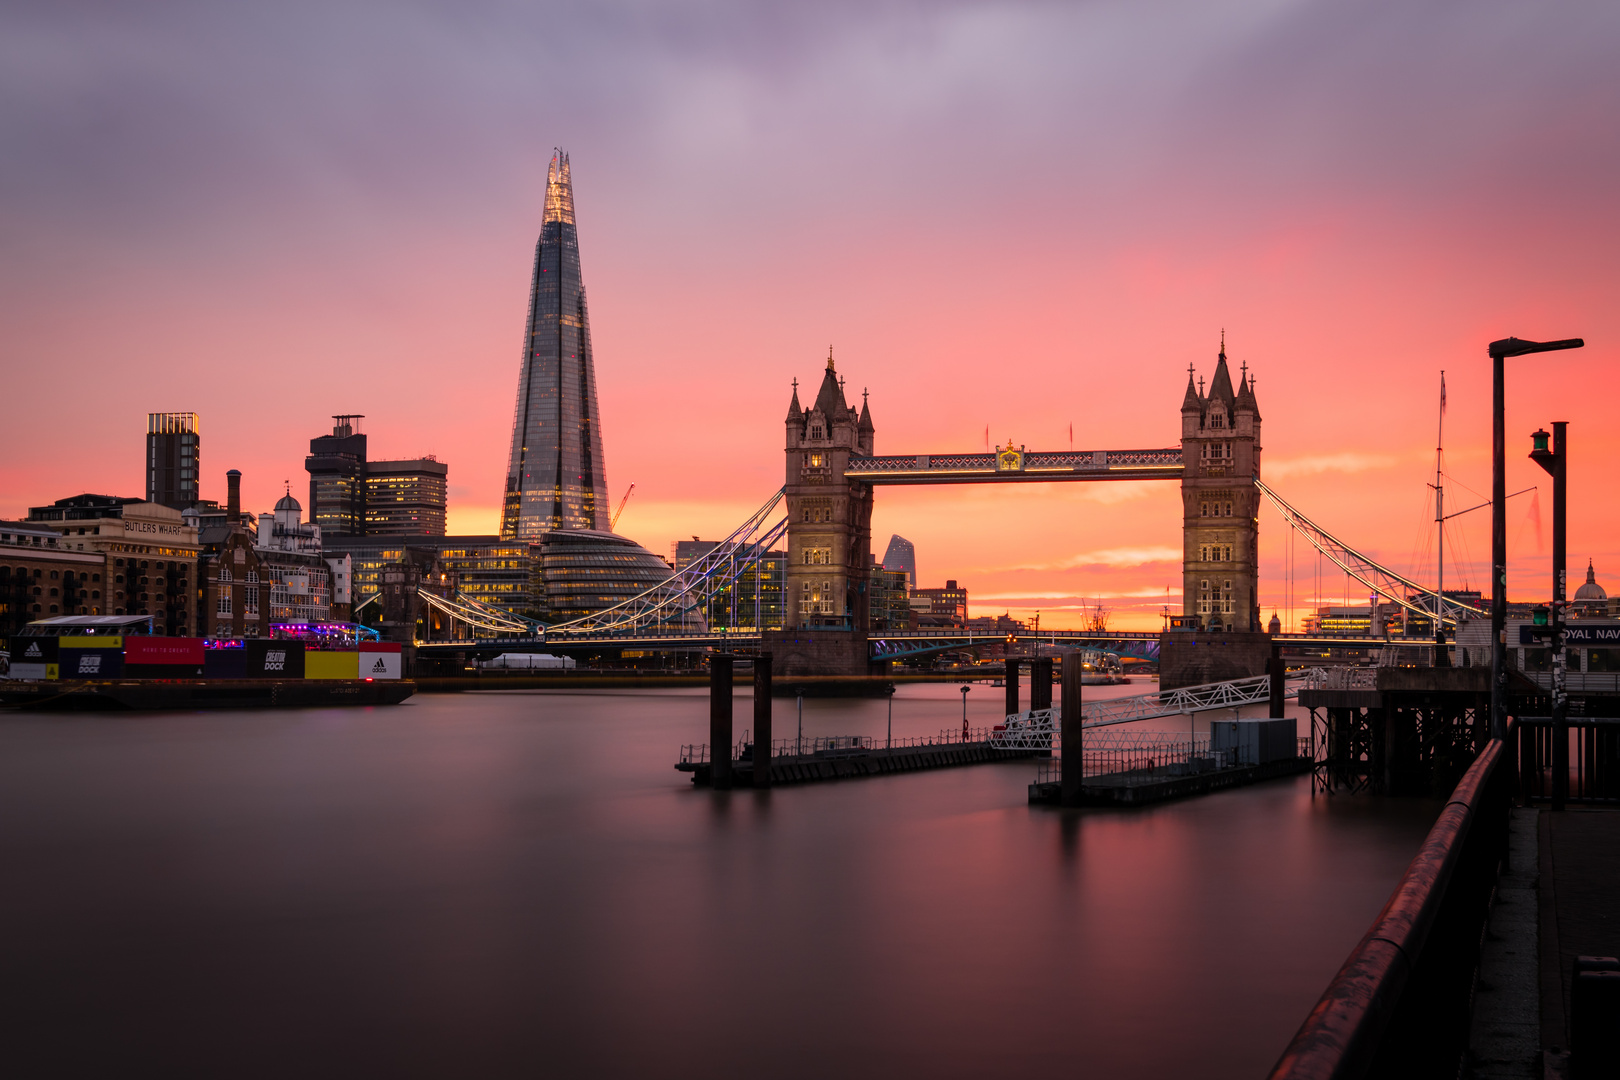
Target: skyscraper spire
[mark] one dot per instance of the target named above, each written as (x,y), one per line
(555,476)
(559,190)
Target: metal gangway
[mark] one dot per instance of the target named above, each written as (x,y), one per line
(1037,729)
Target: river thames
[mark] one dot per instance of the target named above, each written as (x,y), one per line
(493,884)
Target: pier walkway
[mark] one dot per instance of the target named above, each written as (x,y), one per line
(800,761)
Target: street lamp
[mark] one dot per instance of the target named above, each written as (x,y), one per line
(799,746)
(889,693)
(1555,461)
(965,689)
(1499,350)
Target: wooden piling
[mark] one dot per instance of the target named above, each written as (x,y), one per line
(1073,760)
(1040,683)
(1278,675)
(720,719)
(1012,686)
(762,720)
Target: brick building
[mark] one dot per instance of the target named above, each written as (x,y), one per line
(41,577)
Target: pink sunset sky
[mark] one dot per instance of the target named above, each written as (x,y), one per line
(1013,216)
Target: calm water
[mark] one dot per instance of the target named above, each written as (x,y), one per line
(505,883)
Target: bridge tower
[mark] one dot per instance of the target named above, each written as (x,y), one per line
(1220,445)
(829,536)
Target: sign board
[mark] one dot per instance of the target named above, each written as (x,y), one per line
(164,650)
(33,650)
(91,641)
(1573,635)
(274,659)
(380,660)
(89,663)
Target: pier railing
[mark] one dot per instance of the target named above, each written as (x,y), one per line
(1592,749)
(1146,755)
(1399,1005)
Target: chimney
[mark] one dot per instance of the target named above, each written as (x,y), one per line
(233,498)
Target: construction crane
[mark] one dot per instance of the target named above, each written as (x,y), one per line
(613,523)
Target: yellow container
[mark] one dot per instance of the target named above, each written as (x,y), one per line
(331,665)
(94,641)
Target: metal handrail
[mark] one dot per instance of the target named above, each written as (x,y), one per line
(1340,1037)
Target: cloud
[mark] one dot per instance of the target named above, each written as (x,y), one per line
(1120,556)
(1348,462)
(1078,601)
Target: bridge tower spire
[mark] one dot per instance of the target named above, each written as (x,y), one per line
(1220,446)
(829,536)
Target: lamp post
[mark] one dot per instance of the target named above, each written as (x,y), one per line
(888,743)
(1555,462)
(965,690)
(1500,350)
(799,746)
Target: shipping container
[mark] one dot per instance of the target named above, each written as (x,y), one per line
(331,665)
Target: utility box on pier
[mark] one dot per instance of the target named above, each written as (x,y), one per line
(1255,742)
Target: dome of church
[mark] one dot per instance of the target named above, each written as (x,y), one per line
(1591,590)
(287,502)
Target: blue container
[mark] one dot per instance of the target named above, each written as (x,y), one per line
(224,663)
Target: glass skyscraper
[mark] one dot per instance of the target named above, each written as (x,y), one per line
(555,478)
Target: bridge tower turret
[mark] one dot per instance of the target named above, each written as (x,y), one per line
(829,517)
(1220,446)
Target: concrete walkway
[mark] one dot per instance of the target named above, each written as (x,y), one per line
(1558,898)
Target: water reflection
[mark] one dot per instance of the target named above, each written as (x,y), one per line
(492,883)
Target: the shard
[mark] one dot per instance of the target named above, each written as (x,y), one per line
(555,477)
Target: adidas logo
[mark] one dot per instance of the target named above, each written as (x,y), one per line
(379,666)
(34,652)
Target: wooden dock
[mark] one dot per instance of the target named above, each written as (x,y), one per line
(852,762)
(1141,789)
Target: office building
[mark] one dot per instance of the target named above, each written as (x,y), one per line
(352,496)
(405,498)
(337,478)
(890,607)
(556,477)
(945,608)
(584,571)
(901,555)
(173,447)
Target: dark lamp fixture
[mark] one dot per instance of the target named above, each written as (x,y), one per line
(1540,440)
(1539,615)
(1516,347)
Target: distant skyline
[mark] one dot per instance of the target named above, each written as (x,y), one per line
(1005,215)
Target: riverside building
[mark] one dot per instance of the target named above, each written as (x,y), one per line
(150,552)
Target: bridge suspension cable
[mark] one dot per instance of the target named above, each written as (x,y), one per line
(683,601)
(479,615)
(1371,573)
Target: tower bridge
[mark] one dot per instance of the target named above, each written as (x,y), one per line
(824,510)
(832,470)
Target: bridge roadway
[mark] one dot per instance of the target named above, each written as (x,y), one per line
(889,646)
